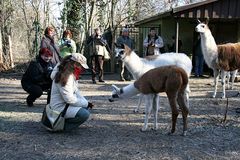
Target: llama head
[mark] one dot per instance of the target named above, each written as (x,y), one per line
(202,27)
(122,50)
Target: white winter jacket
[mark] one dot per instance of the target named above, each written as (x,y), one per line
(60,95)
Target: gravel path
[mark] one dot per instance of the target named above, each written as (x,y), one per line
(113,130)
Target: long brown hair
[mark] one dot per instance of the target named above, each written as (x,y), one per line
(65,69)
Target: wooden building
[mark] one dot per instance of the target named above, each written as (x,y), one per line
(180,22)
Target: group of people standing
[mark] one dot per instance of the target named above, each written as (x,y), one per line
(152,43)
(37,79)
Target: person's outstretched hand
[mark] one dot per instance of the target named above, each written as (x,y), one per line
(90,105)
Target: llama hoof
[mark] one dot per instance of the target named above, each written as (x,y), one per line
(184,133)
(155,128)
(238,94)
(213,96)
(223,97)
(170,133)
(111,100)
(135,111)
(144,129)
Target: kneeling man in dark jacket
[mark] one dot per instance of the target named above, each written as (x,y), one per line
(37,79)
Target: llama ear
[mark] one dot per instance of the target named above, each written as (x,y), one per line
(127,49)
(206,21)
(119,45)
(116,45)
(198,21)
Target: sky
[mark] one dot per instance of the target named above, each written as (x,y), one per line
(56,7)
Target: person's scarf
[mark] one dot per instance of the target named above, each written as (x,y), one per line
(77,71)
(51,39)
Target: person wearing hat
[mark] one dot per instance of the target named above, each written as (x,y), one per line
(65,90)
(125,39)
(37,79)
(153,43)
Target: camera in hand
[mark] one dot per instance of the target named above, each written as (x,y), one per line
(68,43)
(48,71)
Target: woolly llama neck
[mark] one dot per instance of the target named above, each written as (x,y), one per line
(134,64)
(209,48)
(125,92)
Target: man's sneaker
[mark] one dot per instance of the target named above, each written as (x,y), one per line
(94,82)
(122,79)
(101,80)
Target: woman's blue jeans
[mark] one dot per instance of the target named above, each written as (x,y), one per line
(73,123)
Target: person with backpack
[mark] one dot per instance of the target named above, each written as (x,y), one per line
(37,79)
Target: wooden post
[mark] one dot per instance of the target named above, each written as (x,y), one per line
(177,35)
(10,51)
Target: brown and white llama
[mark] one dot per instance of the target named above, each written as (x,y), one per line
(170,79)
(231,75)
(224,57)
(138,66)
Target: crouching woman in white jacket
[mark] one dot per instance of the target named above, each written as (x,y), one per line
(65,91)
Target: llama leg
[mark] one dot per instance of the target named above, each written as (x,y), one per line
(234,73)
(148,109)
(185,111)
(172,101)
(228,74)
(223,81)
(139,103)
(155,110)
(216,76)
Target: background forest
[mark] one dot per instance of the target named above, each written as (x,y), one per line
(22,22)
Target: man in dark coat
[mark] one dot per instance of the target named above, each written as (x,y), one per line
(125,39)
(37,79)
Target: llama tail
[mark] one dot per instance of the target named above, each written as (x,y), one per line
(185,87)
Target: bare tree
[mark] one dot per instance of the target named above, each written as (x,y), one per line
(6,12)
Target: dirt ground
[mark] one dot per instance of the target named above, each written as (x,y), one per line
(113,130)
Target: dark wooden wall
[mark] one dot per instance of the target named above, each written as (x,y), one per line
(218,9)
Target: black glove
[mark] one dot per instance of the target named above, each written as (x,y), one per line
(90,105)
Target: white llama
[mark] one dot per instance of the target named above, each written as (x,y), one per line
(218,57)
(138,66)
(170,79)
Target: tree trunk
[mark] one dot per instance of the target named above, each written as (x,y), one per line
(1,49)
(10,51)
(5,27)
